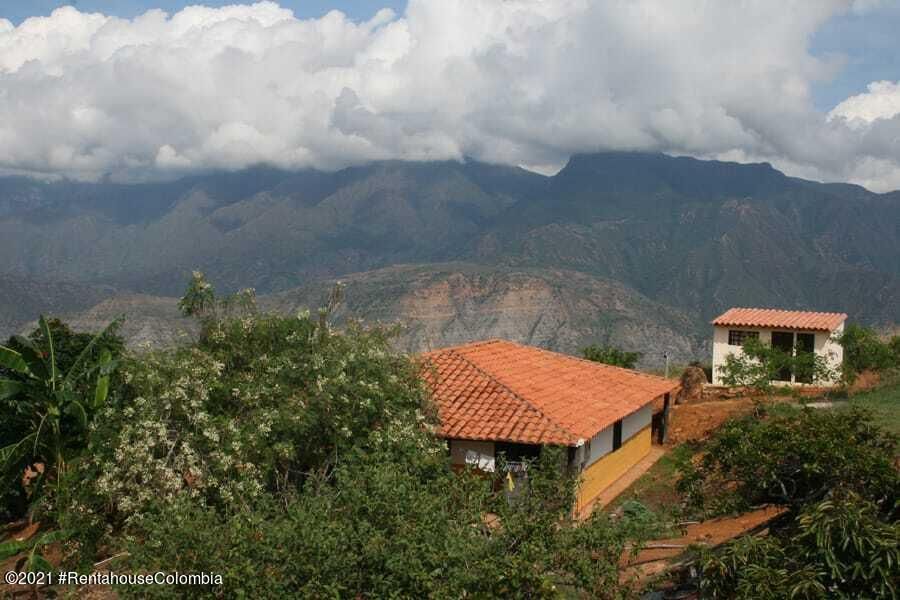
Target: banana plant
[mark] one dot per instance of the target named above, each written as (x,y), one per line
(51,412)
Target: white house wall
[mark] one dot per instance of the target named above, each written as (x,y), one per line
(830,347)
(823,344)
(474,453)
(636,421)
(602,443)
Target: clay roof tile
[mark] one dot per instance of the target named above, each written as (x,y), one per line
(785,319)
(503,391)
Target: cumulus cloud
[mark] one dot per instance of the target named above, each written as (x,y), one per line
(517,82)
(882,101)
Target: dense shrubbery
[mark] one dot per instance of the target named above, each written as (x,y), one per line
(865,351)
(837,548)
(380,528)
(52,384)
(835,474)
(794,460)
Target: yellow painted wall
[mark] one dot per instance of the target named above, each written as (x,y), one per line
(602,473)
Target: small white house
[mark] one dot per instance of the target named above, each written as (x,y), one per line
(789,330)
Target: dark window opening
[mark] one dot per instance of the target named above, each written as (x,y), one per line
(517,452)
(617,435)
(784,341)
(806,348)
(737,337)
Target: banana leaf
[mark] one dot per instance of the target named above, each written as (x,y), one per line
(12,360)
(9,388)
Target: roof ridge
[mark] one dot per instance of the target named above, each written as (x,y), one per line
(455,347)
(780,317)
(787,310)
(592,363)
(512,392)
(602,365)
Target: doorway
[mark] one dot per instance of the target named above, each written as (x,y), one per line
(806,348)
(784,341)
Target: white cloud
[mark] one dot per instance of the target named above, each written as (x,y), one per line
(882,101)
(519,82)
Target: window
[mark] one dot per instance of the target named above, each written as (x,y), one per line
(517,452)
(617,435)
(737,337)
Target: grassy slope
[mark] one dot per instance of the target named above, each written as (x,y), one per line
(884,402)
(656,488)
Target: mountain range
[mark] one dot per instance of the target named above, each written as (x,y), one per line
(638,250)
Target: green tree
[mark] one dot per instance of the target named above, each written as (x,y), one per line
(200,301)
(864,350)
(837,548)
(44,401)
(794,460)
(835,475)
(611,356)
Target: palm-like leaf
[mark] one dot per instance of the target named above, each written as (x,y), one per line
(76,409)
(74,371)
(9,388)
(32,356)
(14,452)
(51,351)
(12,360)
(102,389)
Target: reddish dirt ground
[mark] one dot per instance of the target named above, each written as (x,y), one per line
(865,381)
(658,555)
(688,422)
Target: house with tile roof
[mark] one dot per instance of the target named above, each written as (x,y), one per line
(790,330)
(497,396)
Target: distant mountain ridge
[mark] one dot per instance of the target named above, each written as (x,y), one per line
(698,236)
(451,303)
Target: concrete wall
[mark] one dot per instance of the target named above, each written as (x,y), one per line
(824,345)
(601,444)
(599,475)
(636,421)
(468,452)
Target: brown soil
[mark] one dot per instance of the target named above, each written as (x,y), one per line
(54,555)
(691,422)
(865,381)
(658,555)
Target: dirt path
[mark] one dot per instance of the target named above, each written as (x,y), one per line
(659,554)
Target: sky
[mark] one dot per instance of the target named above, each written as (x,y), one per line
(19,10)
(138,89)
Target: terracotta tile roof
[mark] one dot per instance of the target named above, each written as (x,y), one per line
(787,319)
(503,391)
